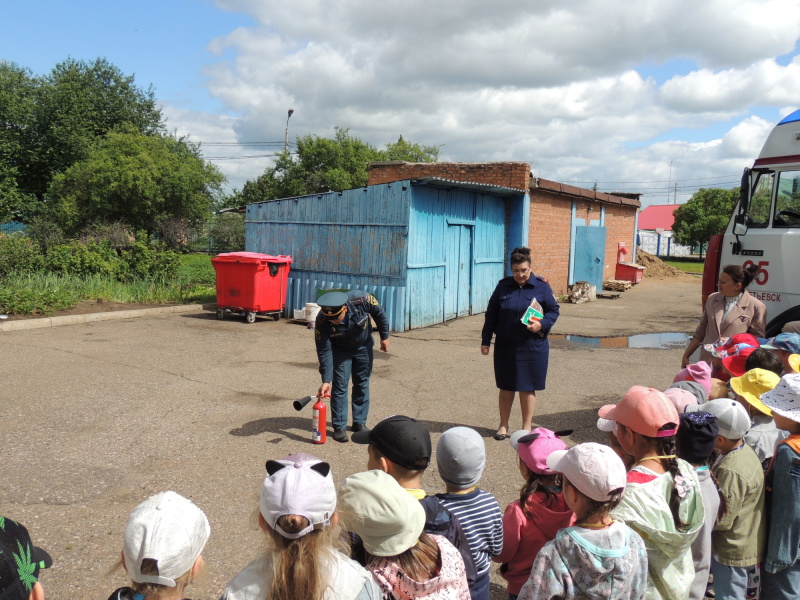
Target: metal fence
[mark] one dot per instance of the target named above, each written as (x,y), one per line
(11,227)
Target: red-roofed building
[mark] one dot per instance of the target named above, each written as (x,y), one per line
(654,231)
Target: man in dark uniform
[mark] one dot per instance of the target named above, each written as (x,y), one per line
(344,347)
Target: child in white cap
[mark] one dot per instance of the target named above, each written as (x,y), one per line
(405,562)
(782,564)
(161,548)
(739,536)
(533,520)
(461,457)
(297,511)
(598,557)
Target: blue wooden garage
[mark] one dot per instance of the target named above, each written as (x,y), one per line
(429,249)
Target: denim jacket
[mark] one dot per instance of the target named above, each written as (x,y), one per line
(783,479)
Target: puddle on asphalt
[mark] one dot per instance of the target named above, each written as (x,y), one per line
(661,341)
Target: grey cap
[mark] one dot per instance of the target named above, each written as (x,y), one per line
(461,457)
(695,388)
(732,418)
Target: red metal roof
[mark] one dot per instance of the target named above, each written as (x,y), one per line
(657,216)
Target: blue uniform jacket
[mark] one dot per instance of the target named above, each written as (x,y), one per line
(351,334)
(506,307)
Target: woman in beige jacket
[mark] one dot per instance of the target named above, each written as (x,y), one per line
(729,311)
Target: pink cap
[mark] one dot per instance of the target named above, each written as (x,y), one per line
(680,398)
(736,363)
(596,470)
(644,410)
(535,446)
(699,372)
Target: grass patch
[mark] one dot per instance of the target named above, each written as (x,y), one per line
(688,266)
(46,293)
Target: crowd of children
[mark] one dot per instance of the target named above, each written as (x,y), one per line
(696,495)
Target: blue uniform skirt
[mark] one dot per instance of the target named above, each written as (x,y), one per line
(521,368)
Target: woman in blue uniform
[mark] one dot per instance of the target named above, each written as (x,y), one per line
(521,352)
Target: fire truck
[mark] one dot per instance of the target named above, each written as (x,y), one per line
(765,228)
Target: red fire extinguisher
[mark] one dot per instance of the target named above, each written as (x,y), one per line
(319,421)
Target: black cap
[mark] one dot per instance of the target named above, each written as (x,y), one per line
(403,440)
(20,561)
(696,436)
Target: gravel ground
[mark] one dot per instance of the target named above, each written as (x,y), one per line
(100,415)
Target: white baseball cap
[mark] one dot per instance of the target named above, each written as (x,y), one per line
(299,484)
(387,518)
(169,530)
(732,417)
(594,469)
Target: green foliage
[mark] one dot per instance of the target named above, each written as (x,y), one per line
(410,152)
(707,213)
(227,232)
(77,104)
(328,164)
(44,233)
(30,293)
(18,255)
(146,261)
(196,269)
(136,179)
(83,260)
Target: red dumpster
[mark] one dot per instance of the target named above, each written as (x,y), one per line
(250,283)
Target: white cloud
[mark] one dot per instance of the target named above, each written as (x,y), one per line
(559,85)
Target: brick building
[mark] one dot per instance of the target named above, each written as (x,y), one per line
(573,232)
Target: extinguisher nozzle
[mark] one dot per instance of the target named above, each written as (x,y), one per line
(299,404)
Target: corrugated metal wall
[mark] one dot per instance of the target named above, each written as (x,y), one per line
(435,211)
(355,239)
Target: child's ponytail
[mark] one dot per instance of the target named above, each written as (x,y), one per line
(667,448)
(534,484)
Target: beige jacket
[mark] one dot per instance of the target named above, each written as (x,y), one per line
(748,316)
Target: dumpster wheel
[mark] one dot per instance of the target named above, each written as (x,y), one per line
(251,316)
(220,313)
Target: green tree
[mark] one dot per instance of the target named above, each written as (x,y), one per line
(138,180)
(410,152)
(328,164)
(707,213)
(75,105)
(17,89)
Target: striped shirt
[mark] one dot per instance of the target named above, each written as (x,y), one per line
(482,521)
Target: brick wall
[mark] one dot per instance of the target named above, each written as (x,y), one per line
(549,236)
(619,222)
(507,174)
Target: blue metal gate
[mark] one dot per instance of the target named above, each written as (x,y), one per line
(590,252)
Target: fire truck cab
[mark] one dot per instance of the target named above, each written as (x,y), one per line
(765,228)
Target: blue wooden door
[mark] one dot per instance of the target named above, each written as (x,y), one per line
(458,268)
(590,252)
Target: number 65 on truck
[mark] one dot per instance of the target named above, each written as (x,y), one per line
(765,228)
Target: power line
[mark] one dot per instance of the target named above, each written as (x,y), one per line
(659,180)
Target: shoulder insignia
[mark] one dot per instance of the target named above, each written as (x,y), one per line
(317,334)
(542,279)
(372,299)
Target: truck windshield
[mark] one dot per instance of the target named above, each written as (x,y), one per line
(758,212)
(787,202)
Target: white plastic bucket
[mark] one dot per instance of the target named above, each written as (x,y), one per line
(312,310)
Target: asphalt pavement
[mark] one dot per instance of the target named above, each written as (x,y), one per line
(101,414)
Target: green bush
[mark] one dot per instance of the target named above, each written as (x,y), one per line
(18,255)
(227,232)
(146,261)
(83,260)
(25,295)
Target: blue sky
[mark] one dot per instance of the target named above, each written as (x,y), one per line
(626,95)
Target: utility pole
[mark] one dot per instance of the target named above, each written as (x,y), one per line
(286,137)
(675,196)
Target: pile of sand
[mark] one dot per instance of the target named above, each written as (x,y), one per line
(656,268)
